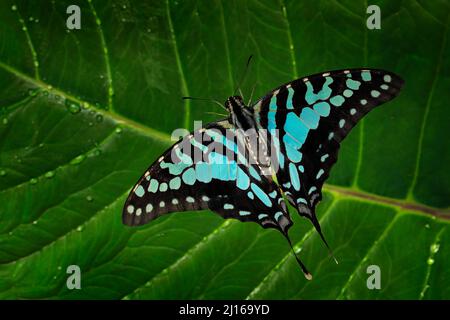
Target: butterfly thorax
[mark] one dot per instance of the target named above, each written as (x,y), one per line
(241,116)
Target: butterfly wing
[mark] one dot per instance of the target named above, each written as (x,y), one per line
(208,170)
(312,116)
(205,170)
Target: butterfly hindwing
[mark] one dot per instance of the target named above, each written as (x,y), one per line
(312,116)
(177,181)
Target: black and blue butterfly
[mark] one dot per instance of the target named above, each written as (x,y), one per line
(311,116)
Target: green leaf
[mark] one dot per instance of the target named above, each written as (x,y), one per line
(84,112)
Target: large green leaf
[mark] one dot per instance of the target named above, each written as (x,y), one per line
(84,112)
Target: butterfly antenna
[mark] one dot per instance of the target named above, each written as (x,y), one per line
(241,94)
(238,88)
(306,273)
(251,95)
(217,114)
(316,225)
(204,99)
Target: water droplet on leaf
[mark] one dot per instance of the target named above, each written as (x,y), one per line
(14,7)
(49,174)
(33,92)
(89,198)
(2,173)
(118,130)
(99,118)
(74,108)
(79,159)
(33,181)
(430,261)
(434,248)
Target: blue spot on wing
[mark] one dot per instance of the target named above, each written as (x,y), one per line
(323,94)
(294,176)
(289,98)
(310,118)
(243,181)
(322,108)
(261,195)
(203,172)
(189,176)
(295,135)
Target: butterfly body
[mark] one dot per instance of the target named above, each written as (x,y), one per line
(298,126)
(241,116)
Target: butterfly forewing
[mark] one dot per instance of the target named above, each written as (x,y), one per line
(312,116)
(207,170)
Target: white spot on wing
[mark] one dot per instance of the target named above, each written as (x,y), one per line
(130,209)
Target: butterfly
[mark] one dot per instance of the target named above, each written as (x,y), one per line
(300,125)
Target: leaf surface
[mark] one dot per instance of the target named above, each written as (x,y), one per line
(84,112)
